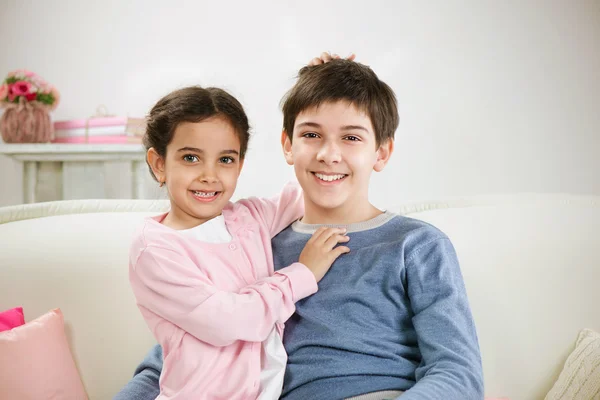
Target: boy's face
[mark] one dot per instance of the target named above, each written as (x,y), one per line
(333,151)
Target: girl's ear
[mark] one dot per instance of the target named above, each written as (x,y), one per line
(157,164)
(384,152)
(286,145)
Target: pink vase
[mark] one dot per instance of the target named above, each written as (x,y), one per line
(26,123)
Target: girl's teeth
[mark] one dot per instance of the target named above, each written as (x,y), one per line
(205,194)
(329,178)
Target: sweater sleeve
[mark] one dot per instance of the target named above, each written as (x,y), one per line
(451,362)
(144,384)
(281,210)
(171,286)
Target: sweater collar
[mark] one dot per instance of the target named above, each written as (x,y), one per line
(372,223)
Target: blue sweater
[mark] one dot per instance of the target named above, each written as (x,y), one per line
(390,315)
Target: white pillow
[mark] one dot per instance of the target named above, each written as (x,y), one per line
(580,377)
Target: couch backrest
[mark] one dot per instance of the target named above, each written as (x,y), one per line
(532,268)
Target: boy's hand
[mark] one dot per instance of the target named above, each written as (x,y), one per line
(320,251)
(326,57)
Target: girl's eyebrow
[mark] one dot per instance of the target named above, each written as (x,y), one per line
(200,151)
(191,149)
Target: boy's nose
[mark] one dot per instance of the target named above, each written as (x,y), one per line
(329,153)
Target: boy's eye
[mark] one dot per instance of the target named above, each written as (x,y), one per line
(190,158)
(352,138)
(310,135)
(227,160)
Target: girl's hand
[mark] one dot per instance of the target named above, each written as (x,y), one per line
(326,57)
(322,250)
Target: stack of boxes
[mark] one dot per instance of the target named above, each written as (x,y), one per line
(100,130)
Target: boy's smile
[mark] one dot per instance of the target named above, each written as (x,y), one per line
(325,178)
(333,151)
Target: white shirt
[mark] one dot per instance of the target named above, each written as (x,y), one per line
(274,357)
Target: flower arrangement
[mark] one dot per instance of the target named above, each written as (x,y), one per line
(27,100)
(23,86)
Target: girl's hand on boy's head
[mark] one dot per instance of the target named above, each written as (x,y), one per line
(326,57)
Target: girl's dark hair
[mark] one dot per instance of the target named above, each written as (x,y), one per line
(193,104)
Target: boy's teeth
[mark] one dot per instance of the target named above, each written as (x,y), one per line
(205,194)
(329,178)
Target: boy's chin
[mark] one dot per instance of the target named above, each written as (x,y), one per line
(327,204)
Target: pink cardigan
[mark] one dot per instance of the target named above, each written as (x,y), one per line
(210,305)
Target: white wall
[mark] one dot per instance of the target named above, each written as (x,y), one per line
(495,96)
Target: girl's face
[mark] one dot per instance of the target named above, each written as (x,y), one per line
(200,170)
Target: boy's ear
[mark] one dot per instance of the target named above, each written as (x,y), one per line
(157,163)
(286,145)
(384,152)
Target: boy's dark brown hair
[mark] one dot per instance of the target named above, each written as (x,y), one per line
(343,80)
(193,104)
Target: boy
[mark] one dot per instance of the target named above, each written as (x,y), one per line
(392,317)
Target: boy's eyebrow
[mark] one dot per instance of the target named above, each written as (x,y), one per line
(354,127)
(309,124)
(344,128)
(200,151)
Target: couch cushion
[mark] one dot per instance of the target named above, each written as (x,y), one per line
(580,377)
(36,363)
(12,318)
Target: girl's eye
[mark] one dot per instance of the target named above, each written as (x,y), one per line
(352,138)
(310,135)
(227,160)
(190,158)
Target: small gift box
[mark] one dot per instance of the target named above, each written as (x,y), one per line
(99,128)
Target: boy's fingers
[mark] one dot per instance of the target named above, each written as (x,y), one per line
(351,57)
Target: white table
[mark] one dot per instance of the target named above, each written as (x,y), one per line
(80,171)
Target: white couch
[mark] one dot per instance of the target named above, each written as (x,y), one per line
(531,264)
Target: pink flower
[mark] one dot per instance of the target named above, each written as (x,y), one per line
(11,93)
(55,93)
(30,96)
(21,73)
(21,88)
(39,82)
(3,92)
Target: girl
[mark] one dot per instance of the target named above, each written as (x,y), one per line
(202,274)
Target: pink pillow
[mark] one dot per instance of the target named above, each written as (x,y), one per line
(11,319)
(36,363)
